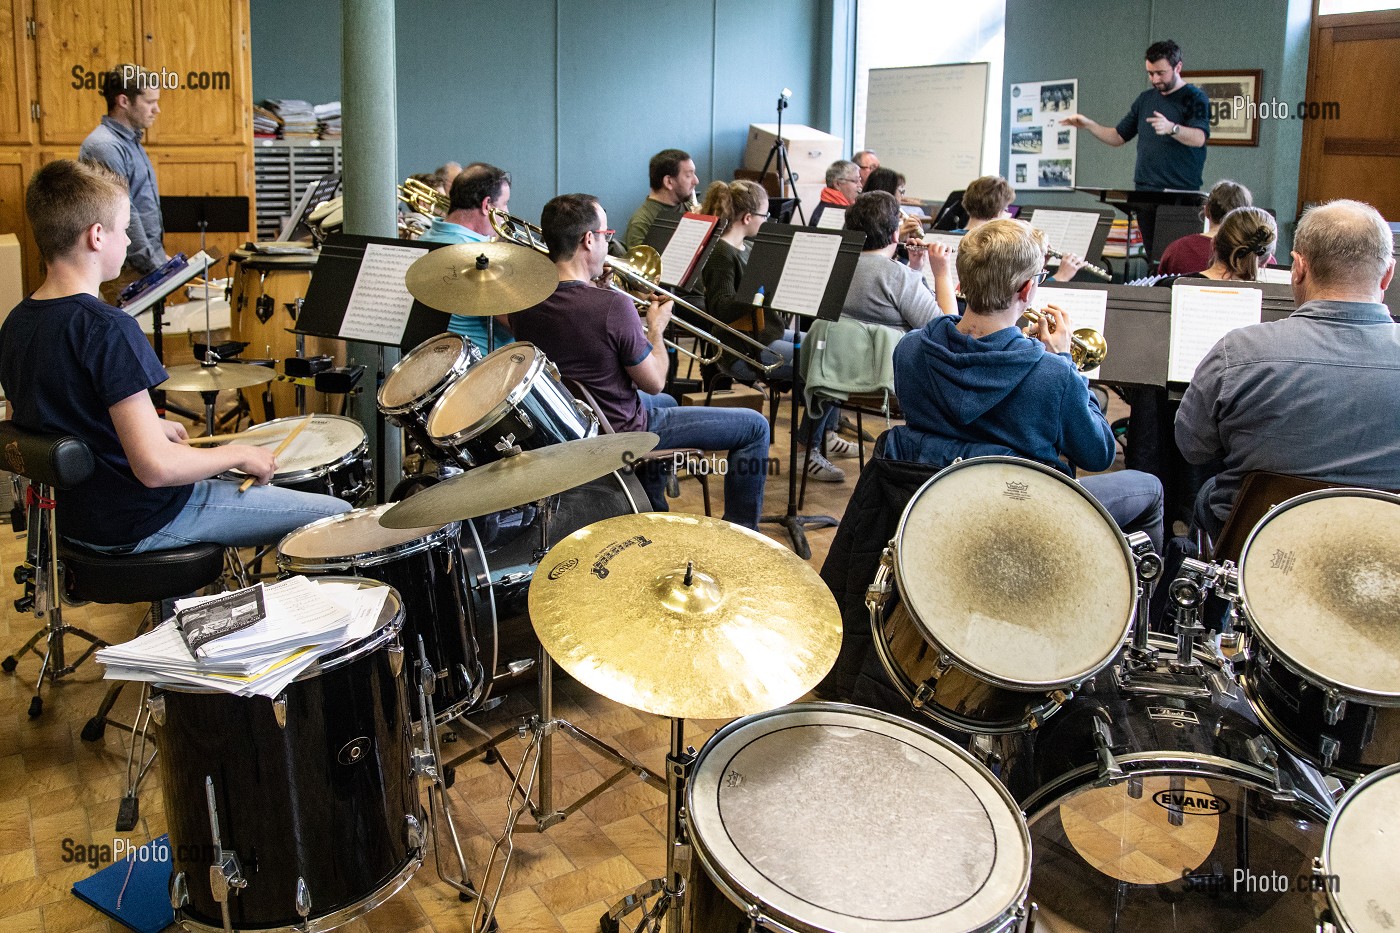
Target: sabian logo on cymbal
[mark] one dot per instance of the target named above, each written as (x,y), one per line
(563,567)
(600,565)
(1015,490)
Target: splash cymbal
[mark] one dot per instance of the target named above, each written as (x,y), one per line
(684,616)
(481,279)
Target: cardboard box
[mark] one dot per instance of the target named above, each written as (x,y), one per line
(739,396)
(809,151)
(11,274)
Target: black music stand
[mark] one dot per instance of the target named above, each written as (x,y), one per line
(765,270)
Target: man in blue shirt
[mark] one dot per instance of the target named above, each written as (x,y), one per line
(1171,121)
(476,191)
(133,102)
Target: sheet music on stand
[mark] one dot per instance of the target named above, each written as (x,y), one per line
(1067,231)
(1201,315)
(684,242)
(832,218)
(380,303)
(802,270)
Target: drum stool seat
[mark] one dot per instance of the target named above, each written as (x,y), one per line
(91,576)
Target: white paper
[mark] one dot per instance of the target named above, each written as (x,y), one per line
(952,241)
(832,218)
(1201,315)
(808,269)
(1067,231)
(380,302)
(685,244)
(1086,307)
(1276,276)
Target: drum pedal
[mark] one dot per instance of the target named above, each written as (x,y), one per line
(128,814)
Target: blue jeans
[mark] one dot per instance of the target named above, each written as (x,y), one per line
(1133,498)
(782,347)
(217,513)
(741,431)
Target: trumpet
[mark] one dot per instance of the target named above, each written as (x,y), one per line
(425,199)
(1086,346)
(636,277)
(1089,267)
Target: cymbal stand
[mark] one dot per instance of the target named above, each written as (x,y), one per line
(670,890)
(427,767)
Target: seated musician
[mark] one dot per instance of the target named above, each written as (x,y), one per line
(1242,245)
(884,291)
(673,183)
(976,385)
(1313,395)
(1193,253)
(987,198)
(910,227)
(476,191)
(72,364)
(843,183)
(595,336)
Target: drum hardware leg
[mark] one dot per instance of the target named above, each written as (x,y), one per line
(129,810)
(1032,914)
(303,899)
(1176,784)
(225,873)
(1135,788)
(1110,772)
(1149,570)
(1327,749)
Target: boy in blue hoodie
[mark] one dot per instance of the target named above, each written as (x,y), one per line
(975,386)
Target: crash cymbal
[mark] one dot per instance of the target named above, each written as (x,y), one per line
(528,476)
(684,616)
(196,377)
(479,279)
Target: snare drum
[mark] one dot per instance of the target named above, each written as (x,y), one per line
(512,398)
(262,309)
(330,456)
(1320,585)
(826,817)
(1357,868)
(314,792)
(419,379)
(1015,587)
(1167,811)
(426,568)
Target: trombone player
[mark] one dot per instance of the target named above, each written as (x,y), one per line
(595,336)
(976,385)
(475,192)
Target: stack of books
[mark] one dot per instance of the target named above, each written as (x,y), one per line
(298,119)
(328,119)
(1118,243)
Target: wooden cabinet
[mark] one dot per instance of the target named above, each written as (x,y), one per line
(74,42)
(17,72)
(196,171)
(16,165)
(200,47)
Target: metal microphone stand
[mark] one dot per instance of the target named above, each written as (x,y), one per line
(782,166)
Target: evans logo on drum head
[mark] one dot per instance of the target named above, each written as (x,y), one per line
(562,568)
(1191,803)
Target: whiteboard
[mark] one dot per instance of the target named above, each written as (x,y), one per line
(928,123)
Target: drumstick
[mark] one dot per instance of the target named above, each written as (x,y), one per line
(221,438)
(301,426)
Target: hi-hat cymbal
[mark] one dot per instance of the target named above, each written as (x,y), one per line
(196,377)
(480,279)
(684,616)
(528,476)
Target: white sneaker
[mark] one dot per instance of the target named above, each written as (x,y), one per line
(838,448)
(820,469)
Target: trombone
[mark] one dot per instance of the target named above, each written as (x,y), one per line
(636,277)
(1086,346)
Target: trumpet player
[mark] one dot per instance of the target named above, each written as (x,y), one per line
(673,184)
(476,191)
(975,385)
(595,337)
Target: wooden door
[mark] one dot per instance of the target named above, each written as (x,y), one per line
(76,41)
(16,74)
(204,46)
(189,171)
(16,165)
(1352,150)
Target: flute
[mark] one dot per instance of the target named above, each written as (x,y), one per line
(1089,267)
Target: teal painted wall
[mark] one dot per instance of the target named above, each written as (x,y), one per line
(575,95)
(1101,42)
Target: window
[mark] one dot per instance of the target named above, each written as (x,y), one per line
(1329,7)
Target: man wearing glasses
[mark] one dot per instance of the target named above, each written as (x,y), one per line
(976,385)
(595,336)
(843,184)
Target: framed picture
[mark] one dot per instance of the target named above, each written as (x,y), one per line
(1234,99)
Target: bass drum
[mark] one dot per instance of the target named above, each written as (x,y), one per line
(500,554)
(314,793)
(1157,811)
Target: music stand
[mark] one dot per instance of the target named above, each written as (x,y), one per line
(765,271)
(952,215)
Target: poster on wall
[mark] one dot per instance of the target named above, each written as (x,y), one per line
(1042,147)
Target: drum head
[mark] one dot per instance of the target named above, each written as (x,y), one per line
(484,387)
(422,371)
(833,817)
(327,440)
(1320,579)
(1016,571)
(354,534)
(1360,854)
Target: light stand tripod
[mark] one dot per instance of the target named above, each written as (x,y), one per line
(778,158)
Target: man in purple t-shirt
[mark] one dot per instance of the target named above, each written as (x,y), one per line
(595,336)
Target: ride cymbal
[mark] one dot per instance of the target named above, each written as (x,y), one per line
(528,476)
(481,279)
(196,377)
(684,616)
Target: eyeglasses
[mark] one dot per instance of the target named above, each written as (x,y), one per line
(851,181)
(606,233)
(765,215)
(1038,278)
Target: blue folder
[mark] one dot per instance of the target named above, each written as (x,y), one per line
(145,904)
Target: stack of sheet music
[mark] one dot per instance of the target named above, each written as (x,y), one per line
(266,123)
(328,119)
(298,119)
(303,621)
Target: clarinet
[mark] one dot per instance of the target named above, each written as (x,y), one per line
(1089,267)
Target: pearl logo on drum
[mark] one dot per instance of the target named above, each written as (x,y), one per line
(1191,803)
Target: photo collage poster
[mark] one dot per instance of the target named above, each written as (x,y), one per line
(1042,148)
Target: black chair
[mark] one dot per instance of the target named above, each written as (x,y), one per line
(53,463)
(1174,221)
